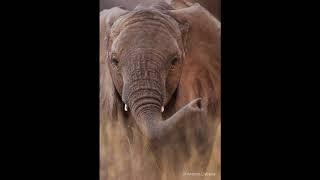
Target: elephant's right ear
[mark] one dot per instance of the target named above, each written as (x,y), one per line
(108,94)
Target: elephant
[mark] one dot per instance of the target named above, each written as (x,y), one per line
(159,93)
(213,6)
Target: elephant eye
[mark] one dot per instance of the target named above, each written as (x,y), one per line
(114,62)
(174,62)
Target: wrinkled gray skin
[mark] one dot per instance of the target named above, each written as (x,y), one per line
(212,6)
(145,53)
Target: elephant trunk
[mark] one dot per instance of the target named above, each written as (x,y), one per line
(145,100)
(144,95)
(148,116)
(154,127)
(145,107)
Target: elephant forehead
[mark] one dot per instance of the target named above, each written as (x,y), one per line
(147,21)
(146,29)
(144,40)
(145,37)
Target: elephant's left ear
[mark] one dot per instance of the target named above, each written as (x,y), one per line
(197,24)
(201,70)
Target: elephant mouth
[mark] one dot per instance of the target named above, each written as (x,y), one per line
(167,112)
(150,103)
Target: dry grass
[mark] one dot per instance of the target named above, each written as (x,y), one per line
(118,159)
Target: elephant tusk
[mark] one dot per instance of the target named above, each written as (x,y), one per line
(125,107)
(162,108)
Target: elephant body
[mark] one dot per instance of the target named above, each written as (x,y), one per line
(159,93)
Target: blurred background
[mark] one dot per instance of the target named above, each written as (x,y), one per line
(211,5)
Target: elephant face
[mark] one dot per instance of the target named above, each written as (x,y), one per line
(145,56)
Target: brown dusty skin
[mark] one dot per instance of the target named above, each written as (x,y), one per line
(156,56)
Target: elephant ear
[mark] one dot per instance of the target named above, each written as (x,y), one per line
(108,94)
(201,70)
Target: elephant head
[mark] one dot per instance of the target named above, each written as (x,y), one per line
(150,55)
